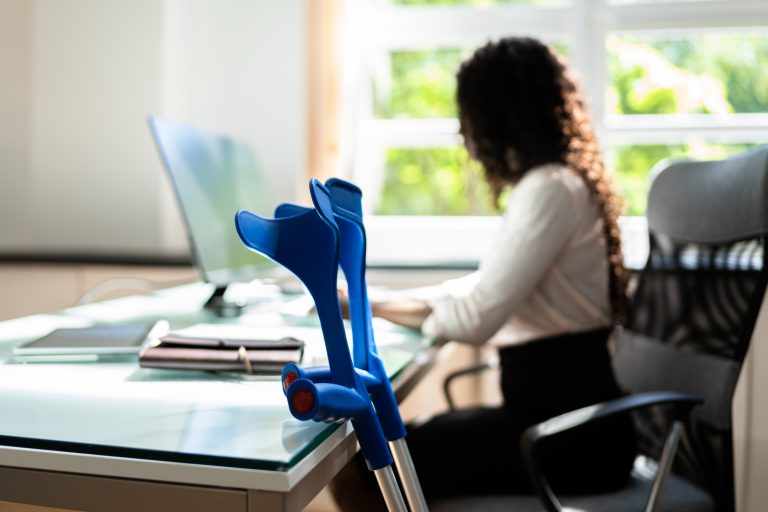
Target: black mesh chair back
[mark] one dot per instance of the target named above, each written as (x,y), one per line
(696,304)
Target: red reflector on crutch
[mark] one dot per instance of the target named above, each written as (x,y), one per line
(290,378)
(302,401)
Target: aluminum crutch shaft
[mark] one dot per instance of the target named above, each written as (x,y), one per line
(390,490)
(408,476)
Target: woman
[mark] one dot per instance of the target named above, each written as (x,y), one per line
(546,294)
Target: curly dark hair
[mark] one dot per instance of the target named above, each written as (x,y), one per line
(519,107)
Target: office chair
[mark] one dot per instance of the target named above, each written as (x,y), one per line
(689,326)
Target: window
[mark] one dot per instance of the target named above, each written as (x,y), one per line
(674,78)
(682,93)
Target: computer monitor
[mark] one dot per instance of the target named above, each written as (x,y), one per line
(213,177)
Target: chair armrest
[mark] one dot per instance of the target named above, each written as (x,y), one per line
(491,364)
(586,415)
(603,410)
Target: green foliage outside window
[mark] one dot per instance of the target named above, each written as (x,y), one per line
(433,181)
(705,74)
(423,85)
(708,74)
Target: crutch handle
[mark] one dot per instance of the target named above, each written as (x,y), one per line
(327,402)
(324,402)
(381,393)
(318,374)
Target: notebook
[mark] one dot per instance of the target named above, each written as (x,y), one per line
(221,354)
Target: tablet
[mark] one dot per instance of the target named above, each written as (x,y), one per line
(95,340)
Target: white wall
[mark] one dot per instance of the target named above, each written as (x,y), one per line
(96,72)
(78,169)
(238,67)
(15,96)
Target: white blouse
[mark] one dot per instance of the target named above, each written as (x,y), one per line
(546,272)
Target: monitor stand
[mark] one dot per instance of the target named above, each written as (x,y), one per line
(221,307)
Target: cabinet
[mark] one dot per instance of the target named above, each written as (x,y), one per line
(31,288)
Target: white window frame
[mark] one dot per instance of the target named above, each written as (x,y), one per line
(584,25)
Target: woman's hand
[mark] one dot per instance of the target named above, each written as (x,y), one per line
(409,313)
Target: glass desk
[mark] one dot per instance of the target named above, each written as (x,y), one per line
(114,436)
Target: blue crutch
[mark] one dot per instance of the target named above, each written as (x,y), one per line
(347,208)
(308,244)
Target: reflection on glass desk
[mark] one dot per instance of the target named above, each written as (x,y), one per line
(108,418)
